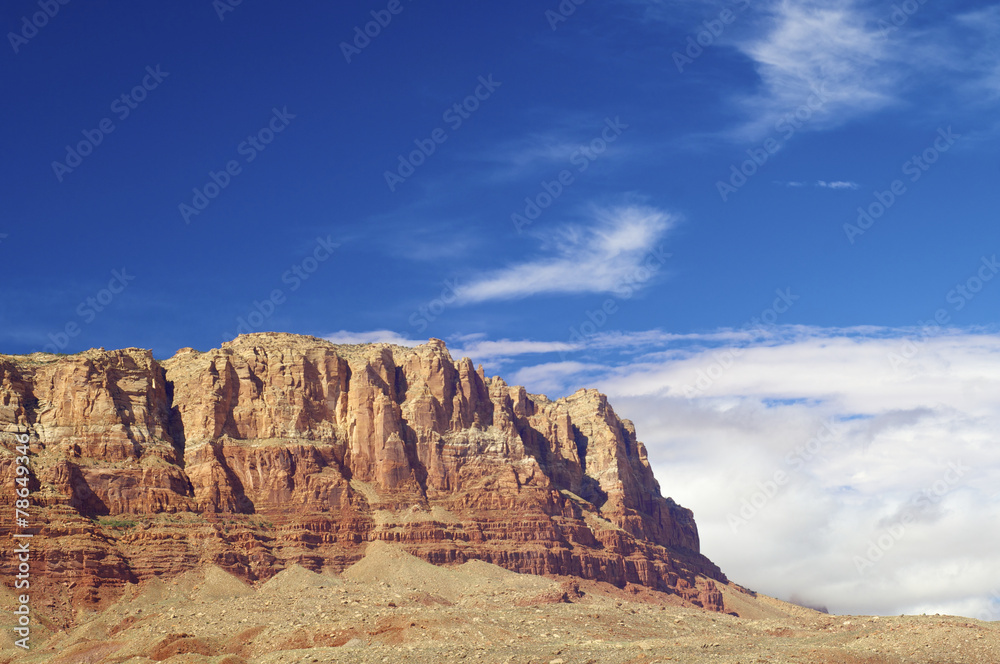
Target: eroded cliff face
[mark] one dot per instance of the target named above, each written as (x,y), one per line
(278,448)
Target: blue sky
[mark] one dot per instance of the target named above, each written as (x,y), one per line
(794,188)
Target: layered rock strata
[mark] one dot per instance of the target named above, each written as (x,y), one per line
(277,449)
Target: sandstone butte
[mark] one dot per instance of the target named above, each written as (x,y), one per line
(279,449)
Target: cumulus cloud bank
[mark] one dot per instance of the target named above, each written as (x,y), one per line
(857,469)
(853,468)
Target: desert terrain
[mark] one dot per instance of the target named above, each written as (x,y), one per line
(394,607)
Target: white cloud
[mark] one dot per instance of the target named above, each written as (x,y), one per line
(551,377)
(979,61)
(835,61)
(868,427)
(816,46)
(862,62)
(372,337)
(475,346)
(831,184)
(894,436)
(607,256)
(485,350)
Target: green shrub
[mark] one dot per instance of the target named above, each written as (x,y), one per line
(117,523)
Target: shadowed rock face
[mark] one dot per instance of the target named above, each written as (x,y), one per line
(279,448)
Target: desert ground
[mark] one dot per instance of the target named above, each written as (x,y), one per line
(393,607)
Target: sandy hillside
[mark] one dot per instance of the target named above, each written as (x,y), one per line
(393,607)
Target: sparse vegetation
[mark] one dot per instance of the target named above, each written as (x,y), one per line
(261,524)
(116,523)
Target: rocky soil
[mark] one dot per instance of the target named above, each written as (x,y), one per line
(393,607)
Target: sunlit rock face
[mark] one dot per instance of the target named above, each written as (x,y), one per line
(277,449)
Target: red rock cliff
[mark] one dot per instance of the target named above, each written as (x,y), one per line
(278,448)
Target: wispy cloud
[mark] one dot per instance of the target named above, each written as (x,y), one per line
(551,377)
(825,184)
(372,337)
(818,49)
(837,184)
(566,141)
(655,346)
(601,257)
(981,28)
(485,350)
(472,345)
(834,62)
(536,150)
(419,231)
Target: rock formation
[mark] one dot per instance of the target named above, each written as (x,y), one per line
(279,449)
